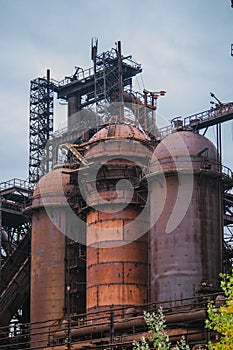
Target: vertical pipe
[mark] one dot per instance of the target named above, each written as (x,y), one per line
(67,296)
(69,340)
(120,82)
(220,194)
(149,261)
(47,120)
(0,236)
(220,144)
(48,76)
(93,57)
(112,328)
(220,199)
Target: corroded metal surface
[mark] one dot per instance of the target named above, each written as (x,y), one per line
(47,269)
(48,252)
(117,247)
(186,259)
(116,266)
(119,131)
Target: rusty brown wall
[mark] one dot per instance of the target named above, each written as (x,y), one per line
(49,223)
(117,268)
(117,247)
(47,271)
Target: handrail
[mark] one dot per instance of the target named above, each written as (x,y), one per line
(59,328)
(209,114)
(78,76)
(88,73)
(226,171)
(15,182)
(197,119)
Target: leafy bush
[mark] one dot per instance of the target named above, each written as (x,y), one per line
(158,336)
(220,319)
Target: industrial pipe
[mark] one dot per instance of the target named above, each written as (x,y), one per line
(136,322)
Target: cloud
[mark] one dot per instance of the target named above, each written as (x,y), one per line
(184,48)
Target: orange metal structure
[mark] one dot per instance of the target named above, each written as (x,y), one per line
(117,243)
(48,251)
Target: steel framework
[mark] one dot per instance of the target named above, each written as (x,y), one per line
(110,73)
(98,86)
(41,127)
(15,231)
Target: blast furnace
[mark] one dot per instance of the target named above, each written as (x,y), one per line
(186,218)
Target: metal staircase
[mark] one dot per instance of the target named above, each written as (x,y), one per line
(15,248)
(14,261)
(15,294)
(15,281)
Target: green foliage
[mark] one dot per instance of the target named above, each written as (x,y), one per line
(156,326)
(221,319)
(181,345)
(142,345)
(158,337)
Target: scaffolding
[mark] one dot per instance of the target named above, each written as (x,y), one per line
(98,83)
(41,128)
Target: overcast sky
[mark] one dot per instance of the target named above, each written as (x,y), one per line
(183,46)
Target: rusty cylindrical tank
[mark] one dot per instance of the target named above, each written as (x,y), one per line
(117,266)
(185,211)
(48,252)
